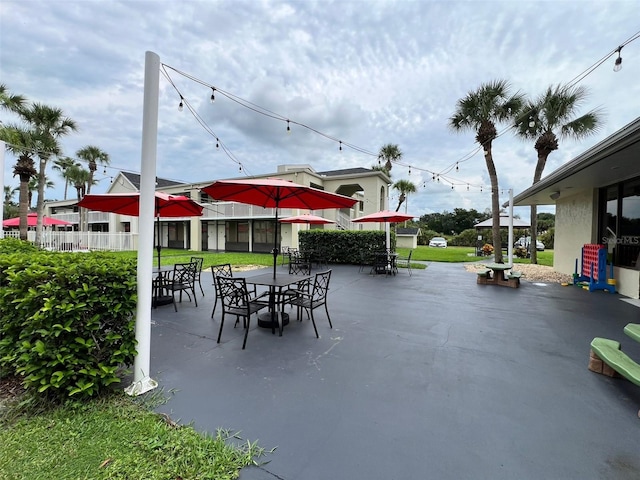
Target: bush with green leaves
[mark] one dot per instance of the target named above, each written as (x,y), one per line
(14,245)
(67,320)
(343,246)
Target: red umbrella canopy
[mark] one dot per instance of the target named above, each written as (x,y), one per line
(306,218)
(276,193)
(32,220)
(385,216)
(129,204)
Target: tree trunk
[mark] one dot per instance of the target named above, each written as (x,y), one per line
(40,202)
(534,235)
(23,205)
(542,161)
(495,205)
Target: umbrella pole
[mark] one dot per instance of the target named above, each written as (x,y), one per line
(275,245)
(158,246)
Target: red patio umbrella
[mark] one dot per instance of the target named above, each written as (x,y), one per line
(166,205)
(385,216)
(306,218)
(276,193)
(32,220)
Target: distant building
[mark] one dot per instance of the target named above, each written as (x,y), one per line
(407,237)
(231,226)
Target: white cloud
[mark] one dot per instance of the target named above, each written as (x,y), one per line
(366,73)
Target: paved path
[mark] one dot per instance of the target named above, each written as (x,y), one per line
(429,376)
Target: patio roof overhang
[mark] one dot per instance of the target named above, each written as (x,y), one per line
(612,160)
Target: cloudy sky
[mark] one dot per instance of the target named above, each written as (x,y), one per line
(366,73)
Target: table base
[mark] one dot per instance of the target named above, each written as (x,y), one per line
(270,320)
(162,300)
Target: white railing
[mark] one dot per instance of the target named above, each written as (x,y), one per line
(231,210)
(80,241)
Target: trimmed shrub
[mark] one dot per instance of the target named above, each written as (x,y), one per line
(67,320)
(344,246)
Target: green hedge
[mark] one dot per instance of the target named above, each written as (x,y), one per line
(344,246)
(67,320)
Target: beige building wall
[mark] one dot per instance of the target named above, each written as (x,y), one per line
(576,225)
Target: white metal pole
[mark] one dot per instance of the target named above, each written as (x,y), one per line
(142,381)
(2,147)
(510,245)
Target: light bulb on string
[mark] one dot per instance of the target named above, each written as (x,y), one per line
(217,143)
(467,187)
(617,66)
(181,104)
(409,171)
(288,127)
(457,167)
(213,94)
(240,168)
(532,123)
(340,145)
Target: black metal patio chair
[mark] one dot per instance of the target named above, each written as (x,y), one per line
(235,300)
(317,297)
(198,261)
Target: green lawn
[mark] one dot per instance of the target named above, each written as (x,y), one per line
(422,253)
(115,437)
(464,254)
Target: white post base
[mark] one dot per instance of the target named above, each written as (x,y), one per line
(141,386)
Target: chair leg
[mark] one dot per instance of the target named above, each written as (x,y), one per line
(315,329)
(246,331)
(215,304)
(328,317)
(201,289)
(195,298)
(221,324)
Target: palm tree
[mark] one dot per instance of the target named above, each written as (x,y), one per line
(13,103)
(93,156)
(50,124)
(389,153)
(79,177)
(404,187)
(33,187)
(550,117)
(480,111)
(21,143)
(61,165)
(10,209)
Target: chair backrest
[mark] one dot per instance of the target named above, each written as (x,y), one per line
(223,269)
(198,261)
(299,264)
(184,273)
(232,293)
(320,287)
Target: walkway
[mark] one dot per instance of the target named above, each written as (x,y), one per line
(430,376)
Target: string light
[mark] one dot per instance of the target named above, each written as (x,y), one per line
(217,143)
(265,112)
(213,94)
(617,66)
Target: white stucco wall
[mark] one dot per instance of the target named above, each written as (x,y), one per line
(575,227)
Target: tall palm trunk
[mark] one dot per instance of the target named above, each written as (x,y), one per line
(23,205)
(495,204)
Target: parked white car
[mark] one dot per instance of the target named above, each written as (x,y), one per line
(525,241)
(438,242)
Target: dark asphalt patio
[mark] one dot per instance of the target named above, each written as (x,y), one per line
(430,376)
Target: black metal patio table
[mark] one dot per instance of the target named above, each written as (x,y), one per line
(275,317)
